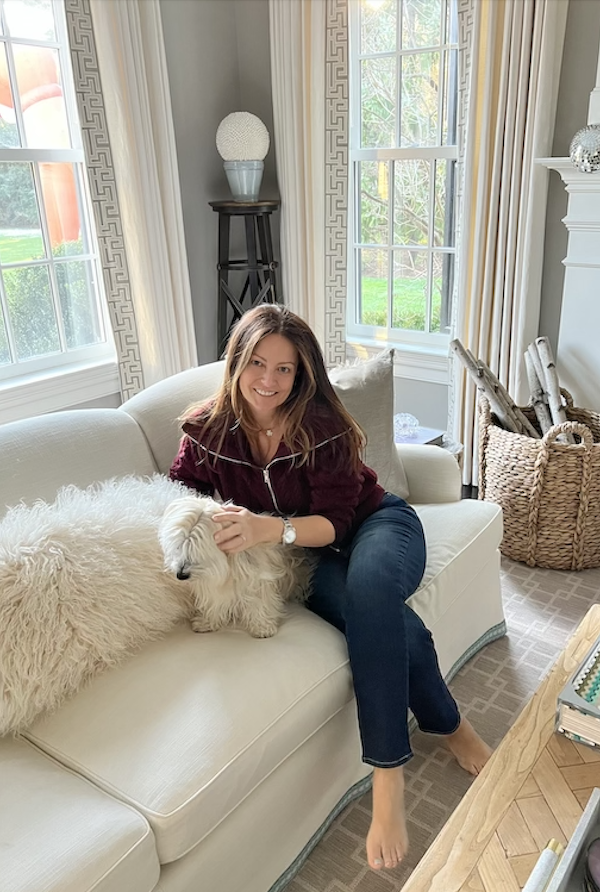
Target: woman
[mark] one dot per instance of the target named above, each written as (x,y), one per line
(277,439)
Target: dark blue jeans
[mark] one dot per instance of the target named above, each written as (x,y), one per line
(362,590)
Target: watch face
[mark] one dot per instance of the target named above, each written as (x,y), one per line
(289,535)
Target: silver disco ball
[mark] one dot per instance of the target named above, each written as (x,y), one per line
(584,150)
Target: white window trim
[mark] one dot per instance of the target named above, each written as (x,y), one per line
(60,389)
(426,363)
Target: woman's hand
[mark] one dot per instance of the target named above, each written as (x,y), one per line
(240,529)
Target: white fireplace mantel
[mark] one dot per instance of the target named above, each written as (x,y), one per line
(578,352)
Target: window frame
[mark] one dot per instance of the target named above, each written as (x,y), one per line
(55,381)
(415,347)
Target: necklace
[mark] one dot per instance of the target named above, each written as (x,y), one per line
(267,430)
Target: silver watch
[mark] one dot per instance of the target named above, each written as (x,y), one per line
(289,532)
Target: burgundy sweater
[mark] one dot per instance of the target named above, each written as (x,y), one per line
(326,484)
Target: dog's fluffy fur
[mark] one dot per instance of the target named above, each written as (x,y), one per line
(82,586)
(247,588)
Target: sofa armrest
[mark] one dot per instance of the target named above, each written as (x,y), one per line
(433,474)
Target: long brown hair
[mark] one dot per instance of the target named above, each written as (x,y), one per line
(311,384)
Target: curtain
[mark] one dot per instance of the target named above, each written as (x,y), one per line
(510,53)
(297,36)
(133,74)
(309,74)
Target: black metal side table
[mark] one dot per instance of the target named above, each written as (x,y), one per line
(259,285)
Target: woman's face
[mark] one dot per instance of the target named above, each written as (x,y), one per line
(267,380)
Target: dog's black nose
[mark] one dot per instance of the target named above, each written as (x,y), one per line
(183,574)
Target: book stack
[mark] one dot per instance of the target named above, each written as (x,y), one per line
(578,707)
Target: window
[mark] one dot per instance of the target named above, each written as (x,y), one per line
(52,306)
(403,100)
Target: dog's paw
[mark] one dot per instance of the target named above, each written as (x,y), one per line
(201,624)
(263,631)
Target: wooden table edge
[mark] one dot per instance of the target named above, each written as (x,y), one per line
(451,858)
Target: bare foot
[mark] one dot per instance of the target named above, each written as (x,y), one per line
(387,839)
(467,747)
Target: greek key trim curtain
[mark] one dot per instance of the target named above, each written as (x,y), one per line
(124,104)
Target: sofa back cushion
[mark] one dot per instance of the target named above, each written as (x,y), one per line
(157,408)
(80,446)
(366,389)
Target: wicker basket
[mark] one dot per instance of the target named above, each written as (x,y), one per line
(549,491)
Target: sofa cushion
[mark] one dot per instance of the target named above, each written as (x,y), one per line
(366,389)
(186,730)
(61,834)
(79,447)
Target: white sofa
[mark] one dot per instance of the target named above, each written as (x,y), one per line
(210,763)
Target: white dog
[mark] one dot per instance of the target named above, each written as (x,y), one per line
(247,589)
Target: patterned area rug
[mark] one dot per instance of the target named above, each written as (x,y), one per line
(542,609)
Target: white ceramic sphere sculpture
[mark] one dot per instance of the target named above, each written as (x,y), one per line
(242,136)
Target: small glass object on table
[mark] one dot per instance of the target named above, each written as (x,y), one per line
(405,426)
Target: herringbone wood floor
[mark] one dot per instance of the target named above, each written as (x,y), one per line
(542,607)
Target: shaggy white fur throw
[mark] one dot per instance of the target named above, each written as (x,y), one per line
(82,586)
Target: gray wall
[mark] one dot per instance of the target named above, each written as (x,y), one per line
(577,80)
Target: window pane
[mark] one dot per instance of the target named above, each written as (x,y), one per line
(373,278)
(31,311)
(80,317)
(441,293)
(30,18)
(421,23)
(42,101)
(4,351)
(378,102)
(420,85)
(374,202)
(378,26)
(411,202)
(62,208)
(20,231)
(409,298)
(444,203)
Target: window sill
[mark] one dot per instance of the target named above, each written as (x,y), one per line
(416,363)
(56,390)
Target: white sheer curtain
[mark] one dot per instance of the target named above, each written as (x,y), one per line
(297,40)
(132,64)
(513,50)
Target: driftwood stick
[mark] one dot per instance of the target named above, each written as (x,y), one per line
(555,404)
(523,423)
(503,406)
(499,408)
(539,371)
(538,400)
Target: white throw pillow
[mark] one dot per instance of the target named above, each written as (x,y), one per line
(366,389)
